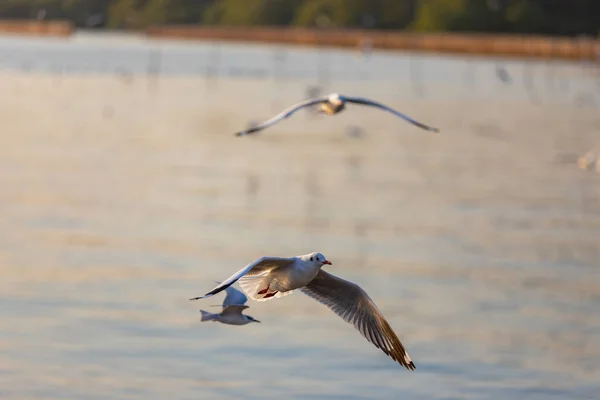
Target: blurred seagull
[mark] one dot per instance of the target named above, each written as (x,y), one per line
(270,277)
(332,104)
(233,305)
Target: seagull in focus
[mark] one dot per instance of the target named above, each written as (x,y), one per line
(272,277)
(231,314)
(330,105)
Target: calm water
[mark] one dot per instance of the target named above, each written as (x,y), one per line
(123,193)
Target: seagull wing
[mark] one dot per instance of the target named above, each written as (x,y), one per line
(367,102)
(234,309)
(260,266)
(234,297)
(283,115)
(354,305)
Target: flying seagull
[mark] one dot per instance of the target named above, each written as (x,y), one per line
(332,104)
(270,277)
(231,314)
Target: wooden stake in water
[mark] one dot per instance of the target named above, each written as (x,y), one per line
(212,66)
(279,58)
(153,71)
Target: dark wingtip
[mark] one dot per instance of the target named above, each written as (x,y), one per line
(195,298)
(426,127)
(411,366)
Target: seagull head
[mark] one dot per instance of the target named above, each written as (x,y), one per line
(316,258)
(334,99)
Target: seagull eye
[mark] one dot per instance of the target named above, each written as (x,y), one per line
(311,259)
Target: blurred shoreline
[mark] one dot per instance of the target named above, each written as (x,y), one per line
(454,43)
(37,28)
(520,46)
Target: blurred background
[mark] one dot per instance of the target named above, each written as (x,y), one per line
(552,17)
(124,193)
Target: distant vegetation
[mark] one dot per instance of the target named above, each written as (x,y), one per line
(554,17)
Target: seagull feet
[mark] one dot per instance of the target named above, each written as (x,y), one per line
(266,293)
(264,290)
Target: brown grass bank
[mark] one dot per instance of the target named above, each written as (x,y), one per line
(484,44)
(37,28)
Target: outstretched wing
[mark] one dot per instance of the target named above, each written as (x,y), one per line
(351,302)
(234,309)
(283,115)
(256,267)
(234,297)
(367,102)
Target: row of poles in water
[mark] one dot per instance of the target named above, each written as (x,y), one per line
(551,72)
(528,74)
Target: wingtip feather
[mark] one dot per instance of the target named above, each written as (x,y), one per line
(201,297)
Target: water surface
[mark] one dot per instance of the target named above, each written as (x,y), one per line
(124,193)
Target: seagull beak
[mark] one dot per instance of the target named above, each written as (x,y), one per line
(327,262)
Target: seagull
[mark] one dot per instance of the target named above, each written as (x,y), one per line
(273,277)
(332,104)
(233,305)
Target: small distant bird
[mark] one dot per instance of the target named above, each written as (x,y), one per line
(270,277)
(590,160)
(332,104)
(233,305)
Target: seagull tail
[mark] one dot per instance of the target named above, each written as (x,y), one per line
(207,316)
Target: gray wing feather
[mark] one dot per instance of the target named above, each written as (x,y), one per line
(234,309)
(367,102)
(282,115)
(234,297)
(254,268)
(352,303)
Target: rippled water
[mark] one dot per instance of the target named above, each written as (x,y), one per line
(125,194)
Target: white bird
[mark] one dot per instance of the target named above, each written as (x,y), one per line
(332,104)
(270,277)
(231,314)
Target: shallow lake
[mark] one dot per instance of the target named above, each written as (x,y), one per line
(124,193)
